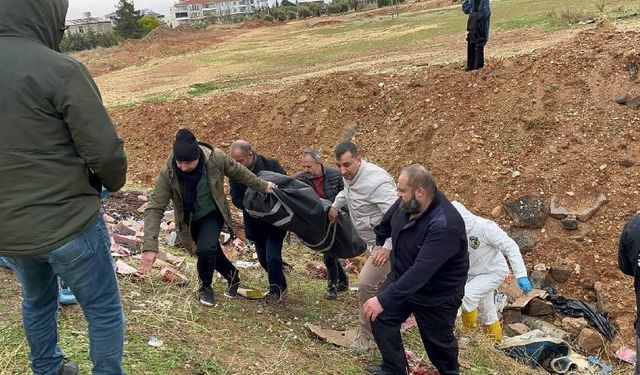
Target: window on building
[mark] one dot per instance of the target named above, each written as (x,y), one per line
(80,29)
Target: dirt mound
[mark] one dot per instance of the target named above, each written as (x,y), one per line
(543,124)
(255,23)
(161,42)
(325,23)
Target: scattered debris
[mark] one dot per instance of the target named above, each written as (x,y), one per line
(122,268)
(155,342)
(243,264)
(174,276)
(527,211)
(569,224)
(252,293)
(604,368)
(626,355)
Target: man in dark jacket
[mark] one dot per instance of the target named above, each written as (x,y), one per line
(193,179)
(629,264)
(477,31)
(327,183)
(429,270)
(58,148)
(267,238)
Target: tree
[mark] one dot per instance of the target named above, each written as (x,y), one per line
(287,3)
(127,20)
(148,23)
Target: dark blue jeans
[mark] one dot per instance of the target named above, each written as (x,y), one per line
(86,266)
(269,250)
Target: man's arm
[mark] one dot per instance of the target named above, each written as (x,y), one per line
(434,252)
(384,196)
(467,5)
(158,202)
(508,247)
(625,247)
(383,230)
(91,129)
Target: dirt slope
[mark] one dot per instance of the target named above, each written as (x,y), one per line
(550,115)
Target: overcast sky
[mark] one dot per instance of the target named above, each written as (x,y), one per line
(99,8)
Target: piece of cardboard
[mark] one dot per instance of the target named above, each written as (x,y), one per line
(523,300)
(343,339)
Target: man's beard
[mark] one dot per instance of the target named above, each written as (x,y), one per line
(412,207)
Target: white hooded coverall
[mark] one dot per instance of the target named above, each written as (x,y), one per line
(488,268)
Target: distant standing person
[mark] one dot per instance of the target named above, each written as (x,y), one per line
(629,264)
(477,31)
(193,179)
(267,238)
(327,183)
(58,148)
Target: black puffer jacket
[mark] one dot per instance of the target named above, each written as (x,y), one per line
(629,256)
(333,183)
(255,228)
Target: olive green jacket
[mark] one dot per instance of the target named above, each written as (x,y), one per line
(54,134)
(167,188)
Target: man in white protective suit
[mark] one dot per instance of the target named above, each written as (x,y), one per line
(488,268)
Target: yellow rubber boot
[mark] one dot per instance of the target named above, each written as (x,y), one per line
(494,330)
(469,320)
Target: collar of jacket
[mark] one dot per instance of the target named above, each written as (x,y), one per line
(258,163)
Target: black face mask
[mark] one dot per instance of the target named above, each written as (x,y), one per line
(412,207)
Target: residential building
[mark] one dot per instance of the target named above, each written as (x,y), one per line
(83,25)
(190,11)
(143,12)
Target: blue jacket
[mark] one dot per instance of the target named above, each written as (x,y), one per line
(255,228)
(430,260)
(484,8)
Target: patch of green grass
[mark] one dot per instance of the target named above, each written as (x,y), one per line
(200,89)
(160,97)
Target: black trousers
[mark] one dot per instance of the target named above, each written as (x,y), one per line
(335,271)
(475,56)
(206,233)
(269,250)
(436,324)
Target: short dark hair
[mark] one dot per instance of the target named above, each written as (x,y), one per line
(315,154)
(419,176)
(344,147)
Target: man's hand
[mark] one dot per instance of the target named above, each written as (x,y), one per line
(332,214)
(372,308)
(146,262)
(380,256)
(270,187)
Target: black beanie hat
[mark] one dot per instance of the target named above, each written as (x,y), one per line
(186,147)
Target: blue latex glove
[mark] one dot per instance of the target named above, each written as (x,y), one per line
(524,284)
(104,193)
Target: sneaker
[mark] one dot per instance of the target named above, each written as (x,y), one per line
(66,297)
(206,296)
(342,286)
(69,368)
(376,370)
(232,288)
(273,297)
(332,292)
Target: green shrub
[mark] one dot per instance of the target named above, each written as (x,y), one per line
(304,12)
(80,42)
(292,15)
